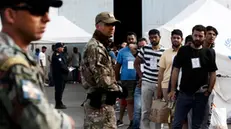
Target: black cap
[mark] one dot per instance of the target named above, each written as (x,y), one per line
(32,3)
(58,45)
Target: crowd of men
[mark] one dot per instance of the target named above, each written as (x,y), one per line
(145,70)
(148,71)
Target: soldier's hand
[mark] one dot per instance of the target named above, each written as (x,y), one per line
(72,123)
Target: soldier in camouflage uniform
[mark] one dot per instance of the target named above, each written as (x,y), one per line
(99,77)
(23,104)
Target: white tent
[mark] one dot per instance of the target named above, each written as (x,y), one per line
(208,12)
(60,29)
(205,12)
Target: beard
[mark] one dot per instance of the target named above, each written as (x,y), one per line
(131,43)
(197,43)
(176,45)
(155,43)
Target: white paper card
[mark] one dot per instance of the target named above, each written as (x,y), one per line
(71,69)
(142,67)
(196,63)
(153,63)
(130,64)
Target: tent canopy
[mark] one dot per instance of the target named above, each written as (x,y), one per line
(205,12)
(60,29)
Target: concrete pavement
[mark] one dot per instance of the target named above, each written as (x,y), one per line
(73,97)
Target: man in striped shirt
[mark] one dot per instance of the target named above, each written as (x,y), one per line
(150,54)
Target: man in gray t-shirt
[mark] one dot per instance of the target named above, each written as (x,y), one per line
(75,62)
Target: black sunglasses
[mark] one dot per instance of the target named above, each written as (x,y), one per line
(37,11)
(107,24)
(110,24)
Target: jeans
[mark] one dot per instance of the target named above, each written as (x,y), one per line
(137,108)
(207,116)
(148,91)
(185,102)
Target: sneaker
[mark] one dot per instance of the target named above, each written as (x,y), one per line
(130,125)
(120,123)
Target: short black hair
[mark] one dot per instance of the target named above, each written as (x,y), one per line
(199,28)
(131,33)
(44,47)
(211,28)
(142,39)
(75,48)
(53,47)
(37,50)
(154,32)
(177,32)
(189,39)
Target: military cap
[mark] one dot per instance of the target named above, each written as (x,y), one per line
(106,17)
(31,3)
(58,45)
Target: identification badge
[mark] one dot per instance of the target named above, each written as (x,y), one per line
(196,63)
(142,67)
(153,63)
(130,64)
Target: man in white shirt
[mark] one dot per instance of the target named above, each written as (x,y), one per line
(42,61)
(42,58)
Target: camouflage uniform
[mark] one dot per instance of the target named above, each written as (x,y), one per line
(97,72)
(23,104)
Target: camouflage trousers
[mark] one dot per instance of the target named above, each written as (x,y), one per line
(103,118)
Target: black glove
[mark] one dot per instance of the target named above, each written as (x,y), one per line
(96,98)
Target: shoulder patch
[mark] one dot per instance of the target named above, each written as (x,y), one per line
(30,92)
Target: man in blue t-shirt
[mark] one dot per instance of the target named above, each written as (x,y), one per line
(125,63)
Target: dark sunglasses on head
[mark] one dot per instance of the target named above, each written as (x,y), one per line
(37,11)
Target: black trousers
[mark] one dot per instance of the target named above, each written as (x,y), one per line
(59,88)
(75,74)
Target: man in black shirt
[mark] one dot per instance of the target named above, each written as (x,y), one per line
(210,36)
(198,78)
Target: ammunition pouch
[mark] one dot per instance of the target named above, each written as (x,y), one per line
(97,100)
(111,97)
